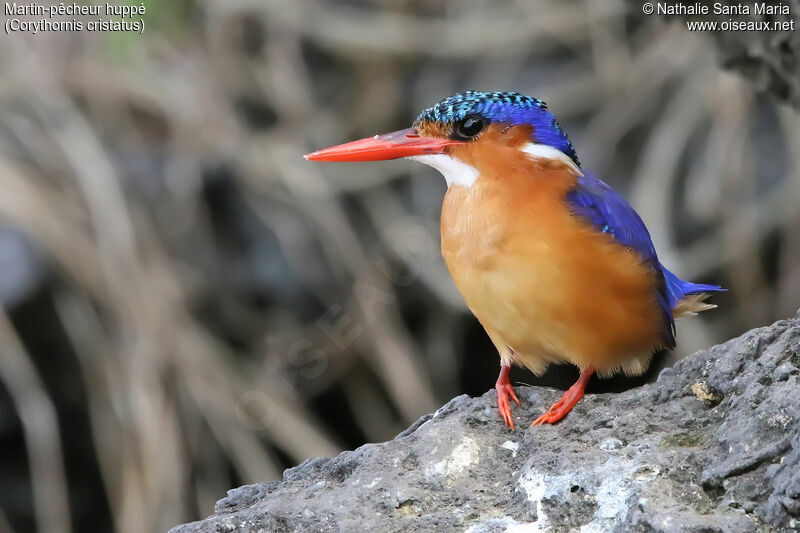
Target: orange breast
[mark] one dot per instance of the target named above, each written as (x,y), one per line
(540,280)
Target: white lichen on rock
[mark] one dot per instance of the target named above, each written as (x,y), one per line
(462,457)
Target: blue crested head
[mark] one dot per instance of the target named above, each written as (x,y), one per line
(502,107)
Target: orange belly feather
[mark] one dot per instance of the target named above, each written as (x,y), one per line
(546,286)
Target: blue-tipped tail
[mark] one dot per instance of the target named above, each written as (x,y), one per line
(678,289)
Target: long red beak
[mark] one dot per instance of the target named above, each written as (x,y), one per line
(403,143)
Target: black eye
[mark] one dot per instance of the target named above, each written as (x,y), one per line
(469,127)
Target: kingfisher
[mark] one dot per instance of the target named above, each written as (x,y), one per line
(554,263)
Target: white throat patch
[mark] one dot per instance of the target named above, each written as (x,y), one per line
(455,171)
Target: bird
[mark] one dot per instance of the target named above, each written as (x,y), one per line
(554,263)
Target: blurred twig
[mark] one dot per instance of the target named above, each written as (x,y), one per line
(40,426)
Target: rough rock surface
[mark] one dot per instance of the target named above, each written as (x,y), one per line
(713,445)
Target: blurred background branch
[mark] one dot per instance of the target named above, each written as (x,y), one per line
(190,306)
(770,60)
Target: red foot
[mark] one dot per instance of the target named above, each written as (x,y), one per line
(563,406)
(504,388)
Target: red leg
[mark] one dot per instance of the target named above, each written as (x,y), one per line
(504,388)
(563,406)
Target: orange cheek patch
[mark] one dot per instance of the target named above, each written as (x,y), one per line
(505,135)
(497,156)
(497,151)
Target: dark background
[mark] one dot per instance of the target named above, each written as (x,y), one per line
(190,306)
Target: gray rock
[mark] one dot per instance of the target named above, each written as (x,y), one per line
(713,445)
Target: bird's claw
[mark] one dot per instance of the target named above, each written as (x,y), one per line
(563,406)
(556,412)
(550,417)
(503,405)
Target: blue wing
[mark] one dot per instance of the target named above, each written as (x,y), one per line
(595,201)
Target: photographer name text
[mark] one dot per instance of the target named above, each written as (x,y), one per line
(719,8)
